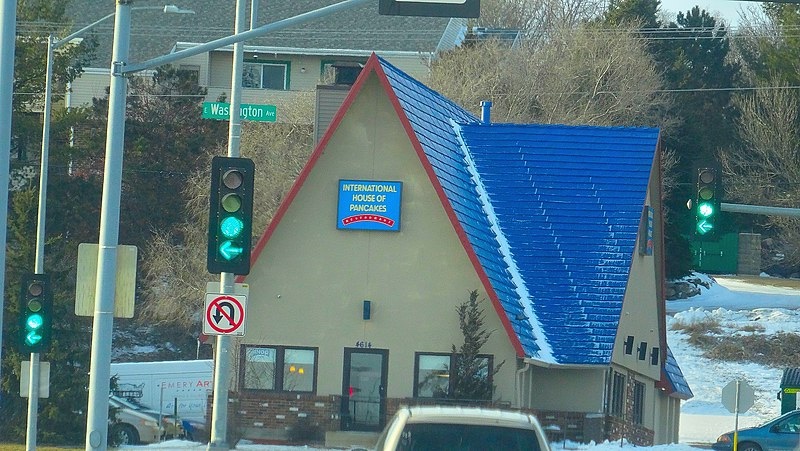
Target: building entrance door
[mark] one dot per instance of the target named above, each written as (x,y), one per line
(364,389)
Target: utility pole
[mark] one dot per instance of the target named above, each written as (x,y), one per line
(8,35)
(222,354)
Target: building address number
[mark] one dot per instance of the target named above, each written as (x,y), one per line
(363,344)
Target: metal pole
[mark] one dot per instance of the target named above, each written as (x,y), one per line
(736,421)
(219,418)
(103,324)
(8,31)
(43,171)
(33,388)
(33,403)
(759,209)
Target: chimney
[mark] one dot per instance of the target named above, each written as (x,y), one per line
(486,111)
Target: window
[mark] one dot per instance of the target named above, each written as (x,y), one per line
(340,72)
(616,401)
(638,402)
(451,376)
(266,75)
(279,368)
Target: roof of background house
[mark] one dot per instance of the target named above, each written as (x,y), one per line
(154,33)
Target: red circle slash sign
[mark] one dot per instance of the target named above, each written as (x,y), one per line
(225,309)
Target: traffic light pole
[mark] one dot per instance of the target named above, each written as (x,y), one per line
(222,357)
(219,415)
(33,388)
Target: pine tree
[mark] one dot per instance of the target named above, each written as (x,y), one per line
(471,375)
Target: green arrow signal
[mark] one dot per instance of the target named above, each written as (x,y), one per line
(33,338)
(229,251)
(704,227)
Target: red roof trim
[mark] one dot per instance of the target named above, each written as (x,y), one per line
(301,178)
(462,236)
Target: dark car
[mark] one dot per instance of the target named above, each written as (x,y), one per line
(782,433)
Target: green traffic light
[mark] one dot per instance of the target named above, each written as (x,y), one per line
(33,338)
(231,227)
(34,321)
(33,325)
(705,209)
(703,227)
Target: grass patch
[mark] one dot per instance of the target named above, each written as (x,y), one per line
(778,350)
(704,327)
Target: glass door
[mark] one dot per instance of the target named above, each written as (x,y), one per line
(364,389)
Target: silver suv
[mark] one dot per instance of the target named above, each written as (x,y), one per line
(433,428)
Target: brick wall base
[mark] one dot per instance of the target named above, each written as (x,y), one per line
(273,417)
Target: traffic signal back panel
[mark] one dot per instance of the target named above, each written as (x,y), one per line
(230,221)
(707,202)
(35,313)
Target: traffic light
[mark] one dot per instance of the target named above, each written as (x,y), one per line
(707,202)
(230,220)
(35,313)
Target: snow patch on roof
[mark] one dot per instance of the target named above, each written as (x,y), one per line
(545,352)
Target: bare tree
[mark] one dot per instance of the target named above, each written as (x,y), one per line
(587,75)
(765,168)
(538,18)
(175,262)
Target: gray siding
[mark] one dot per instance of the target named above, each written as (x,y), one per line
(329,99)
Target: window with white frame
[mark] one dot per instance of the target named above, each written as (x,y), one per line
(279,368)
(266,75)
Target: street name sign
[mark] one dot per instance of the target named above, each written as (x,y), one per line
(221,111)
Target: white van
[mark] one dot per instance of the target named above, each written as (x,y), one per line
(165,386)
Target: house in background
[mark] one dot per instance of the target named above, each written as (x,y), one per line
(277,66)
(408,204)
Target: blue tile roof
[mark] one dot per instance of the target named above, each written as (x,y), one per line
(551,212)
(680,388)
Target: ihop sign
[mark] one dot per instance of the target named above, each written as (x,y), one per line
(369,205)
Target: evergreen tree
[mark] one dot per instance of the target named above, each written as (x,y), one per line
(642,12)
(165,142)
(692,53)
(471,375)
(60,417)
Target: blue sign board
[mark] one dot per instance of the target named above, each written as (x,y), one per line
(369,205)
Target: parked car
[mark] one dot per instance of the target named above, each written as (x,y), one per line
(436,428)
(136,423)
(782,433)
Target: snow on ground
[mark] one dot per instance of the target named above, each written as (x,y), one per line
(739,306)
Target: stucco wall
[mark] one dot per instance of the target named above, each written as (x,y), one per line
(308,284)
(575,390)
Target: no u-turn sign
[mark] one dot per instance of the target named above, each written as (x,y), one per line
(224,314)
